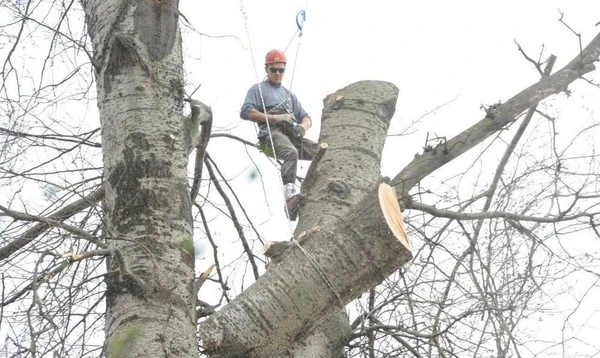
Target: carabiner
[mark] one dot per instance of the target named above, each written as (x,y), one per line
(298,23)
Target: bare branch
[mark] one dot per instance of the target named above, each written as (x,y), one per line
(42,226)
(496,214)
(562,15)
(54,223)
(236,224)
(505,114)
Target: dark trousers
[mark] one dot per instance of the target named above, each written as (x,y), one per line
(289,149)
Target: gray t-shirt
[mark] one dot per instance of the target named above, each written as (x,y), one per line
(278,100)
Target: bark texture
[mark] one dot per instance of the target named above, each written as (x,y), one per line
(138,62)
(355,121)
(339,259)
(326,340)
(354,124)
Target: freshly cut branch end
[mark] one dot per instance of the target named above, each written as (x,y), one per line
(391,211)
(276,250)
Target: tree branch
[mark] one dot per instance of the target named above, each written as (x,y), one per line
(494,215)
(506,113)
(62,214)
(205,135)
(234,218)
(55,223)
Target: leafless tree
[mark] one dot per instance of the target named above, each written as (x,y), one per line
(99,212)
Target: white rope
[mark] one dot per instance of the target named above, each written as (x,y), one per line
(320,271)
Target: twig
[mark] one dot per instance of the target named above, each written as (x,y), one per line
(233,215)
(562,14)
(231,136)
(237,200)
(215,252)
(537,65)
(495,215)
(62,214)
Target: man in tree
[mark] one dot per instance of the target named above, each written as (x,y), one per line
(282,124)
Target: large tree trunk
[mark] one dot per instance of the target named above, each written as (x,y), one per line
(338,259)
(138,62)
(335,183)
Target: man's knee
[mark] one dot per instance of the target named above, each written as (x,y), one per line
(288,153)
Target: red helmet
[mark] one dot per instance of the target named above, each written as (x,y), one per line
(275,56)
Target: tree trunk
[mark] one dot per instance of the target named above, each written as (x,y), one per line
(138,63)
(349,168)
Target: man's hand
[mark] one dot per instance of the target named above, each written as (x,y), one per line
(285,119)
(300,130)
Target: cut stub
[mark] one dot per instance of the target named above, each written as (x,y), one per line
(392,214)
(276,251)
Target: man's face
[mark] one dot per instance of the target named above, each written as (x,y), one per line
(275,72)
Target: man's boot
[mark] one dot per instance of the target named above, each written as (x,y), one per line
(292,198)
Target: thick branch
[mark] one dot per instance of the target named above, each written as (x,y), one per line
(427,162)
(354,123)
(334,264)
(334,185)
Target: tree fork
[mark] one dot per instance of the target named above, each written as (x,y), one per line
(332,268)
